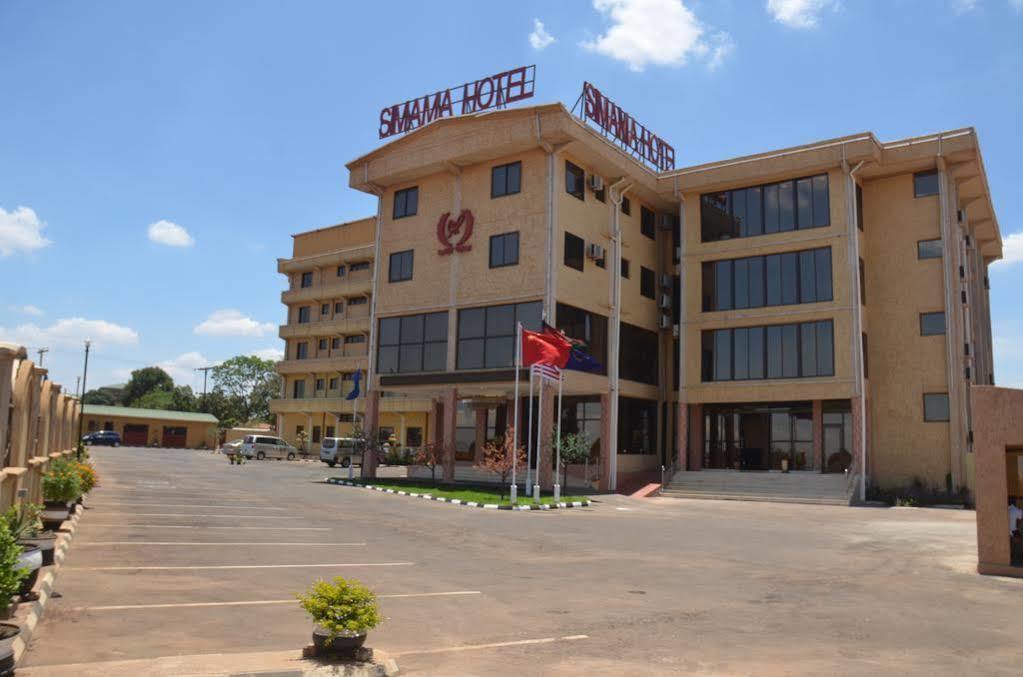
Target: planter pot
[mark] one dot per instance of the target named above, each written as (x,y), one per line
(342,645)
(32,559)
(47,545)
(8,633)
(54,513)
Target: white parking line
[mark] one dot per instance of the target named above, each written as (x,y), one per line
(215,543)
(494,645)
(181,505)
(254,602)
(196,567)
(192,514)
(203,526)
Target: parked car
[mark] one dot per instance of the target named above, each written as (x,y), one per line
(103,438)
(231,448)
(264,446)
(343,450)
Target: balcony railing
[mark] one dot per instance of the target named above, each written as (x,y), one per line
(333,402)
(359,283)
(326,259)
(346,362)
(347,324)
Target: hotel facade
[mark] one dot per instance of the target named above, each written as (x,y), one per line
(821,309)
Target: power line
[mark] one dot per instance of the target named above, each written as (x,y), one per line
(205,371)
(40,352)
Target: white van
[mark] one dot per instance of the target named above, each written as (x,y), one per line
(343,450)
(264,446)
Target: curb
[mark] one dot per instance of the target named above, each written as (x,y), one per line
(458,501)
(45,589)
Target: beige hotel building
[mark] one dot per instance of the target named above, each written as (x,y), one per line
(821,309)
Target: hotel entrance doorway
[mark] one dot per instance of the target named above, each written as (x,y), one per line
(758,436)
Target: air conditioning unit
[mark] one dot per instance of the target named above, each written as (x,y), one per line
(665,301)
(666,221)
(666,281)
(595,252)
(666,321)
(596,183)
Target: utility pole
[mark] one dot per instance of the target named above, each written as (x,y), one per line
(81,415)
(40,353)
(205,371)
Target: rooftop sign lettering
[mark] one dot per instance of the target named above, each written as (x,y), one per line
(633,137)
(495,91)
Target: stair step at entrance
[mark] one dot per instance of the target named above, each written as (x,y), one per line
(794,487)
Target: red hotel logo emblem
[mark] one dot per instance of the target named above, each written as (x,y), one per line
(448,229)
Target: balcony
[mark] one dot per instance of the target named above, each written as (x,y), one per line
(334,404)
(348,362)
(326,259)
(345,325)
(359,283)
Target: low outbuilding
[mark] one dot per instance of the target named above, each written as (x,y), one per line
(153,427)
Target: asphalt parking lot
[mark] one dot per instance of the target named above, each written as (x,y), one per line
(182,560)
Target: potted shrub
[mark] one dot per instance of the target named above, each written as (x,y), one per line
(343,611)
(62,485)
(11,572)
(86,476)
(8,633)
(26,527)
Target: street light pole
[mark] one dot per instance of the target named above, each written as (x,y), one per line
(81,414)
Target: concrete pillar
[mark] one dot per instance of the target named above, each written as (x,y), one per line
(370,422)
(606,445)
(817,459)
(695,436)
(857,450)
(545,463)
(681,436)
(52,444)
(280,425)
(309,432)
(35,394)
(8,353)
(481,433)
(435,424)
(450,417)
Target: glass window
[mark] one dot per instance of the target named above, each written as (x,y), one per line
(925,183)
(774,352)
(723,355)
(486,336)
(929,249)
(626,206)
(504,250)
(574,251)
(647,223)
(307,280)
(325,309)
(506,179)
(413,343)
(822,269)
(298,389)
(790,350)
(804,203)
(625,268)
(932,324)
(335,343)
(859,206)
(789,279)
(406,203)
(647,282)
(808,349)
(303,314)
(821,208)
(301,351)
(340,271)
(400,268)
(772,210)
(355,267)
(339,307)
(825,347)
(319,384)
(935,406)
(575,180)
(779,351)
(773,263)
(756,352)
(807,277)
(322,344)
(358,301)
(638,355)
(715,217)
(758,210)
(722,285)
(757,288)
(786,206)
(740,269)
(587,327)
(740,368)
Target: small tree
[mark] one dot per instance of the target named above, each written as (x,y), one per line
(430,455)
(367,440)
(500,456)
(575,448)
(301,438)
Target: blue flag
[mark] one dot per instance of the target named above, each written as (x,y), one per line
(580,360)
(355,389)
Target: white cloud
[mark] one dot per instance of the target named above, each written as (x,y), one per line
(540,39)
(657,32)
(275,354)
(963,6)
(1016,5)
(170,234)
(29,309)
(230,322)
(1012,248)
(20,231)
(182,368)
(71,331)
(802,14)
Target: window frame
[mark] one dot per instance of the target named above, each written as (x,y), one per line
(947,405)
(778,208)
(494,193)
(647,222)
(771,271)
(402,196)
(307,277)
(924,175)
(775,361)
(647,282)
(487,338)
(397,273)
(574,173)
(924,331)
(502,239)
(387,346)
(920,251)
(626,206)
(570,239)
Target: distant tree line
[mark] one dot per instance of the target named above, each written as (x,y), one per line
(239,392)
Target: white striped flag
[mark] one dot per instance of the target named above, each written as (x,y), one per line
(546,371)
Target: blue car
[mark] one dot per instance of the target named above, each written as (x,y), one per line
(107,438)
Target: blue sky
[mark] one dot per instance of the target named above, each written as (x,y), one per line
(155,157)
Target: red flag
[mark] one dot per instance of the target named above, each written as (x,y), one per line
(544,348)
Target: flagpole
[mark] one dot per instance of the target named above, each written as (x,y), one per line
(513,490)
(351,463)
(529,441)
(539,442)
(557,465)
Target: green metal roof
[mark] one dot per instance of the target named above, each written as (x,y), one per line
(158,414)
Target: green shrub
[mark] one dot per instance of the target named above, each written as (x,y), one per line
(23,520)
(62,482)
(341,607)
(11,575)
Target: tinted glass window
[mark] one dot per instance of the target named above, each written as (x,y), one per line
(925,183)
(638,355)
(406,203)
(932,324)
(626,206)
(486,336)
(574,251)
(587,327)
(575,180)
(778,351)
(929,249)
(936,407)
(647,223)
(303,314)
(647,282)
(504,250)
(400,267)
(412,343)
(307,280)
(506,179)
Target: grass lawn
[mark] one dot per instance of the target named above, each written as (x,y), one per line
(475,494)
